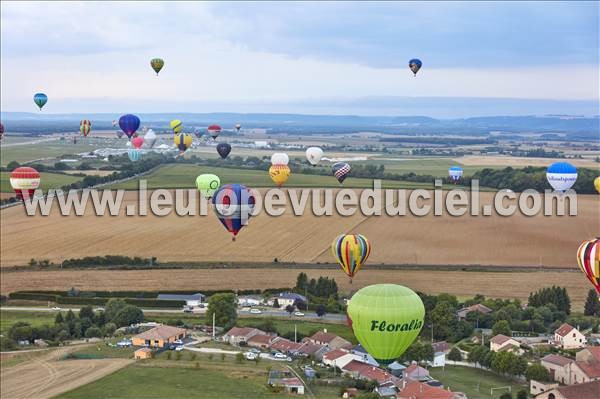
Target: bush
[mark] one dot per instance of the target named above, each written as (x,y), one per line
(109,329)
(7,344)
(522,394)
(93,332)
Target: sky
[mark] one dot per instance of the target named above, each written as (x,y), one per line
(479,58)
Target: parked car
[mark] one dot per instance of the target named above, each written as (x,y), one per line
(298,314)
(179,348)
(250,355)
(255,311)
(99,310)
(178,342)
(187,310)
(172,347)
(55,308)
(279,355)
(254,350)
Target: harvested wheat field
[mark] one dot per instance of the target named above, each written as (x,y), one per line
(491,284)
(46,376)
(435,240)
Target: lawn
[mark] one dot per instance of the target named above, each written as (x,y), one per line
(475,383)
(48,180)
(102,351)
(437,167)
(184,176)
(8,318)
(162,379)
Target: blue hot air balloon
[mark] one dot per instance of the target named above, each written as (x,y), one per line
(40,99)
(455,173)
(561,176)
(129,124)
(134,154)
(233,204)
(414,65)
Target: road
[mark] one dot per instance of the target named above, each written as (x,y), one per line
(333,317)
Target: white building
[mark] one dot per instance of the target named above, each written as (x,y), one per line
(568,337)
(190,300)
(340,358)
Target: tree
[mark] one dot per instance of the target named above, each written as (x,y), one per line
(537,372)
(70,316)
(128,315)
(93,332)
(290,309)
(21,331)
(592,304)
(86,311)
(506,395)
(501,327)
(522,394)
(455,354)
(59,318)
(109,329)
(224,307)
(301,282)
(239,357)
(113,306)
(443,317)
(276,303)
(321,310)
(12,165)
(300,304)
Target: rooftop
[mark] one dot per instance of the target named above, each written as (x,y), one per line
(260,339)
(476,308)
(335,354)
(564,329)
(175,297)
(367,371)
(556,359)
(243,331)
(499,339)
(418,390)
(163,332)
(322,336)
(588,390)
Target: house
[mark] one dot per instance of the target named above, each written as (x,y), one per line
(588,390)
(143,353)
(285,345)
(285,379)
(440,350)
(339,358)
(307,348)
(396,369)
(286,298)
(262,341)
(330,340)
(418,390)
(568,337)
(366,357)
(537,387)
(350,393)
(159,336)
(190,300)
(237,335)
(586,367)
(416,373)
(249,300)
(558,367)
(500,343)
(358,369)
(386,392)
(479,308)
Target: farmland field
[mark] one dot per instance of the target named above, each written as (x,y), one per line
(47,149)
(475,383)
(491,284)
(8,318)
(49,180)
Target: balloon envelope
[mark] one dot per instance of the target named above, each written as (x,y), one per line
(588,258)
(157,64)
(223,149)
(340,171)
(40,99)
(150,138)
(24,181)
(176,126)
(351,251)
(137,142)
(134,154)
(233,205)
(183,141)
(85,127)
(129,124)
(214,130)
(279,174)
(561,176)
(208,184)
(119,133)
(238,127)
(455,173)
(314,155)
(1,131)
(597,184)
(280,158)
(415,64)
(386,319)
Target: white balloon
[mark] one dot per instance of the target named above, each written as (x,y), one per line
(150,138)
(314,155)
(280,158)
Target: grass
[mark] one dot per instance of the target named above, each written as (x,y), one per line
(475,383)
(103,351)
(48,180)
(437,167)
(184,176)
(47,149)
(8,318)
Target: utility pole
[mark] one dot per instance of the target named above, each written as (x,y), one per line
(213,330)
(295,338)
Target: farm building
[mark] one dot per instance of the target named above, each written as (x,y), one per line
(286,298)
(285,379)
(190,300)
(249,300)
(143,353)
(159,336)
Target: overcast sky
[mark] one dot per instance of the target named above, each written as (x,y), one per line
(300,57)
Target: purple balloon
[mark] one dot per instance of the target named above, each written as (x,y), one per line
(129,124)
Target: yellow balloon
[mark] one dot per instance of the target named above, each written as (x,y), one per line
(597,184)
(183,141)
(279,174)
(176,125)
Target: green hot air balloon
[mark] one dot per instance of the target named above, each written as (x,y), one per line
(157,64)
(386,319)
(207,184)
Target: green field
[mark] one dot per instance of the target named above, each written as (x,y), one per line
(437,167)
(102,351)
(48,180)
(475,383)
(184,176)
(46,149)
(10,317)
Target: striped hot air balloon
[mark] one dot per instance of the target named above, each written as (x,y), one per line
(588,258)
(233,205)
(24,181)
(183,141)
(129,124)
(214,131)
(351,251)
(134,154)
(40,99)
(455,173)
(85,127)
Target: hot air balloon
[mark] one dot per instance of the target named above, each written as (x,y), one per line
(129,124)
(340,171)
(85,127)
(414,65)
(119,133)
(561,176)
(198,132)
(134,154)
(115,123)
(157,64)
(208,184)
(233,204)
(597,184)
(40,99)
(351,251)
(386,319)
(280,158)
(176,126)
(183,141)
(150,138)
(137,142)
(223,149)
(214,131)
(238,127)
(455,173)
(24,181)
(1,131)
(588,258)
(314,155)
(279,174)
